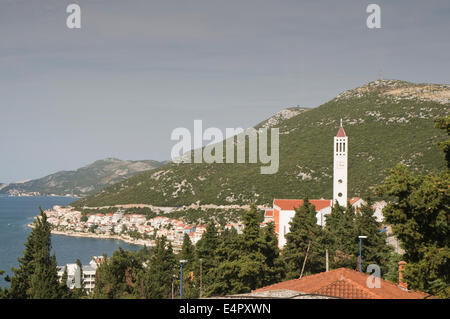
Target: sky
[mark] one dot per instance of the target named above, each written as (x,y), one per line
(138,69)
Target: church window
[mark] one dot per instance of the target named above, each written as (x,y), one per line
(343,144)
(340,194)
(340,181)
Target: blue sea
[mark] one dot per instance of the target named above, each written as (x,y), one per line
(17,212)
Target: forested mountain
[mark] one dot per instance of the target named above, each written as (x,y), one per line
(387,121)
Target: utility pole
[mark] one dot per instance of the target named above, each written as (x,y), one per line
(304,261)
(326,259)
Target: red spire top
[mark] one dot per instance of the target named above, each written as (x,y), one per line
(341,132)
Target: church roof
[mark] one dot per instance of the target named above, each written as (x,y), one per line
(341,132)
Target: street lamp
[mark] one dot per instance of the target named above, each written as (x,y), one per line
(201,286)
(181,278)
(360,240)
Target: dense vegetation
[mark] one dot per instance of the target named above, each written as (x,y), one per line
(383,130)
(420,217)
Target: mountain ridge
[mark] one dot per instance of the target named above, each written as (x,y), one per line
(387,121)
(82,181)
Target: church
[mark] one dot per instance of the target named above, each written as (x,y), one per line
(283,210)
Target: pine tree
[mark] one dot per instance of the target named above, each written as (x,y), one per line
(245,262)
(340,237)
(190,269)
(275,270)
(303,240)
(155,281)
(65,291)
(36,276)
(206,248)
(374,250)
(79,291)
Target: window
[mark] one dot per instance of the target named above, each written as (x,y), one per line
(284,230)
(340,194)
(343,144)
(340,181)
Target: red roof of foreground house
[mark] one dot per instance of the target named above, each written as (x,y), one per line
(344,283)
(290,204)
(341,132)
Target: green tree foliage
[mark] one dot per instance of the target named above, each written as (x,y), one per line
(66,293)
(374,249)
(303,233)
(443,123)
(341,237)
(116,277)
(245,262)
(207,245)
(36,276)
(3,291)
(155,280)
(420,218)
(191,269)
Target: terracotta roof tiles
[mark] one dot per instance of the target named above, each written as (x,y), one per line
(344,283)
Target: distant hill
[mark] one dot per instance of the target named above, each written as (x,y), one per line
(387,121)
(86,180)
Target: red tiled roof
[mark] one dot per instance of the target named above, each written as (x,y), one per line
(354,200)
(341,132)
(344,283)
(290,204)
(269,213)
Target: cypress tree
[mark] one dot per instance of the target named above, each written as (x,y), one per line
(79,291)
(65,292)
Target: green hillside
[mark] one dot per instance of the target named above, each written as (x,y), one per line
(387,122)
(83,181)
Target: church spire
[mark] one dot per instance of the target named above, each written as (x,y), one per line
(341,132)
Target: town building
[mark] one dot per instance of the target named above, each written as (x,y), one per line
(74,274)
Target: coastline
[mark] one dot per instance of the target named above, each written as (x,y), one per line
(132,241)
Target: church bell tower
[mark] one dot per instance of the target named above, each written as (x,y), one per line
(340,167)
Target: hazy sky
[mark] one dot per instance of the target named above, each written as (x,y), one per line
(138,69)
